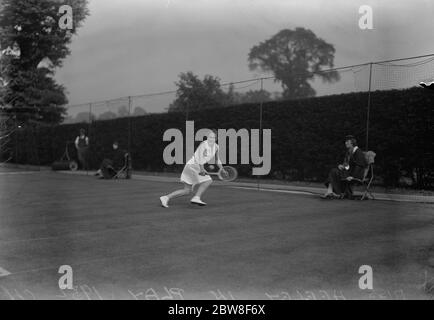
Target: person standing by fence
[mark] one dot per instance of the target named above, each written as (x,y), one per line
(82,146)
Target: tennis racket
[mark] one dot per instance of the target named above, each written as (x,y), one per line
(427,85)
(227,173)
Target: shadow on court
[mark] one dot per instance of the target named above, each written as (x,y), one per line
(245,244)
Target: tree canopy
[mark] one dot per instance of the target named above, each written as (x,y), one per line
(294,57)
(196,94)
(33,45)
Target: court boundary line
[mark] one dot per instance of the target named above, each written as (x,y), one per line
(276,190)
(17,172)
(377,196)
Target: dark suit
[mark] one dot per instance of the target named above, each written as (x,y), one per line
(109,167)
(357,163)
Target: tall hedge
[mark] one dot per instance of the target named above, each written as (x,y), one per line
(307,134)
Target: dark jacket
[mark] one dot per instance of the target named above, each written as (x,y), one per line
(357,162)
(118,158)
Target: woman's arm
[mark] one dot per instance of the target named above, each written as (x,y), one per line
(346,164)
(202,171)
(217,157)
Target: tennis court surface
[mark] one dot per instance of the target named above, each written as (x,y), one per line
(246,244)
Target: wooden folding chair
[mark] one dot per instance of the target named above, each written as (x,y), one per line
(125,171)
(368,175)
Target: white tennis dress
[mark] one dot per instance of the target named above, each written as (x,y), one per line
(203,154)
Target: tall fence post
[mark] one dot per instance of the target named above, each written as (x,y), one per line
(129,124)
(89,127)
(90,119)
(369,107)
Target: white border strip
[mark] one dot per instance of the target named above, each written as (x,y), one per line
(276,190)
(18,172)
(377,197)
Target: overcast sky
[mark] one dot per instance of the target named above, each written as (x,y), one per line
(129,47)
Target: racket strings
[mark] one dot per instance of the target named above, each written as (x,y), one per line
(229,173)
(225,174)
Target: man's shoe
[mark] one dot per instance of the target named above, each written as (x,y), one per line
(326,196)
(331,195)
(196,200)
(164,201)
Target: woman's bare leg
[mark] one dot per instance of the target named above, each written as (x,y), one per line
(202,187)
(180,192)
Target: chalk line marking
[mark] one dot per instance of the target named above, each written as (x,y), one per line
(378,197)
(4,272)
(276,190)
(17,172)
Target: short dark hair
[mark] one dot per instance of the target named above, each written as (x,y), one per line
(116,142)
(351,139)
(82,131)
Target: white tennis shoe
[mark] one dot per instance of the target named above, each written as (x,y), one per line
(164,200)
(196,200)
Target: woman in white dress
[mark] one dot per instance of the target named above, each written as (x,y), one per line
(195,174)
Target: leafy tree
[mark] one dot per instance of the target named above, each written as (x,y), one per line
(68,119)
(107,115)
(85,117)
(195,94)
(40,95)
(32,27)
(251,96)
(139,111)
(294,57)
(123,112)
(256,96)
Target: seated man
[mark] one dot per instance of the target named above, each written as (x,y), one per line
(109,167)
(354,165)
